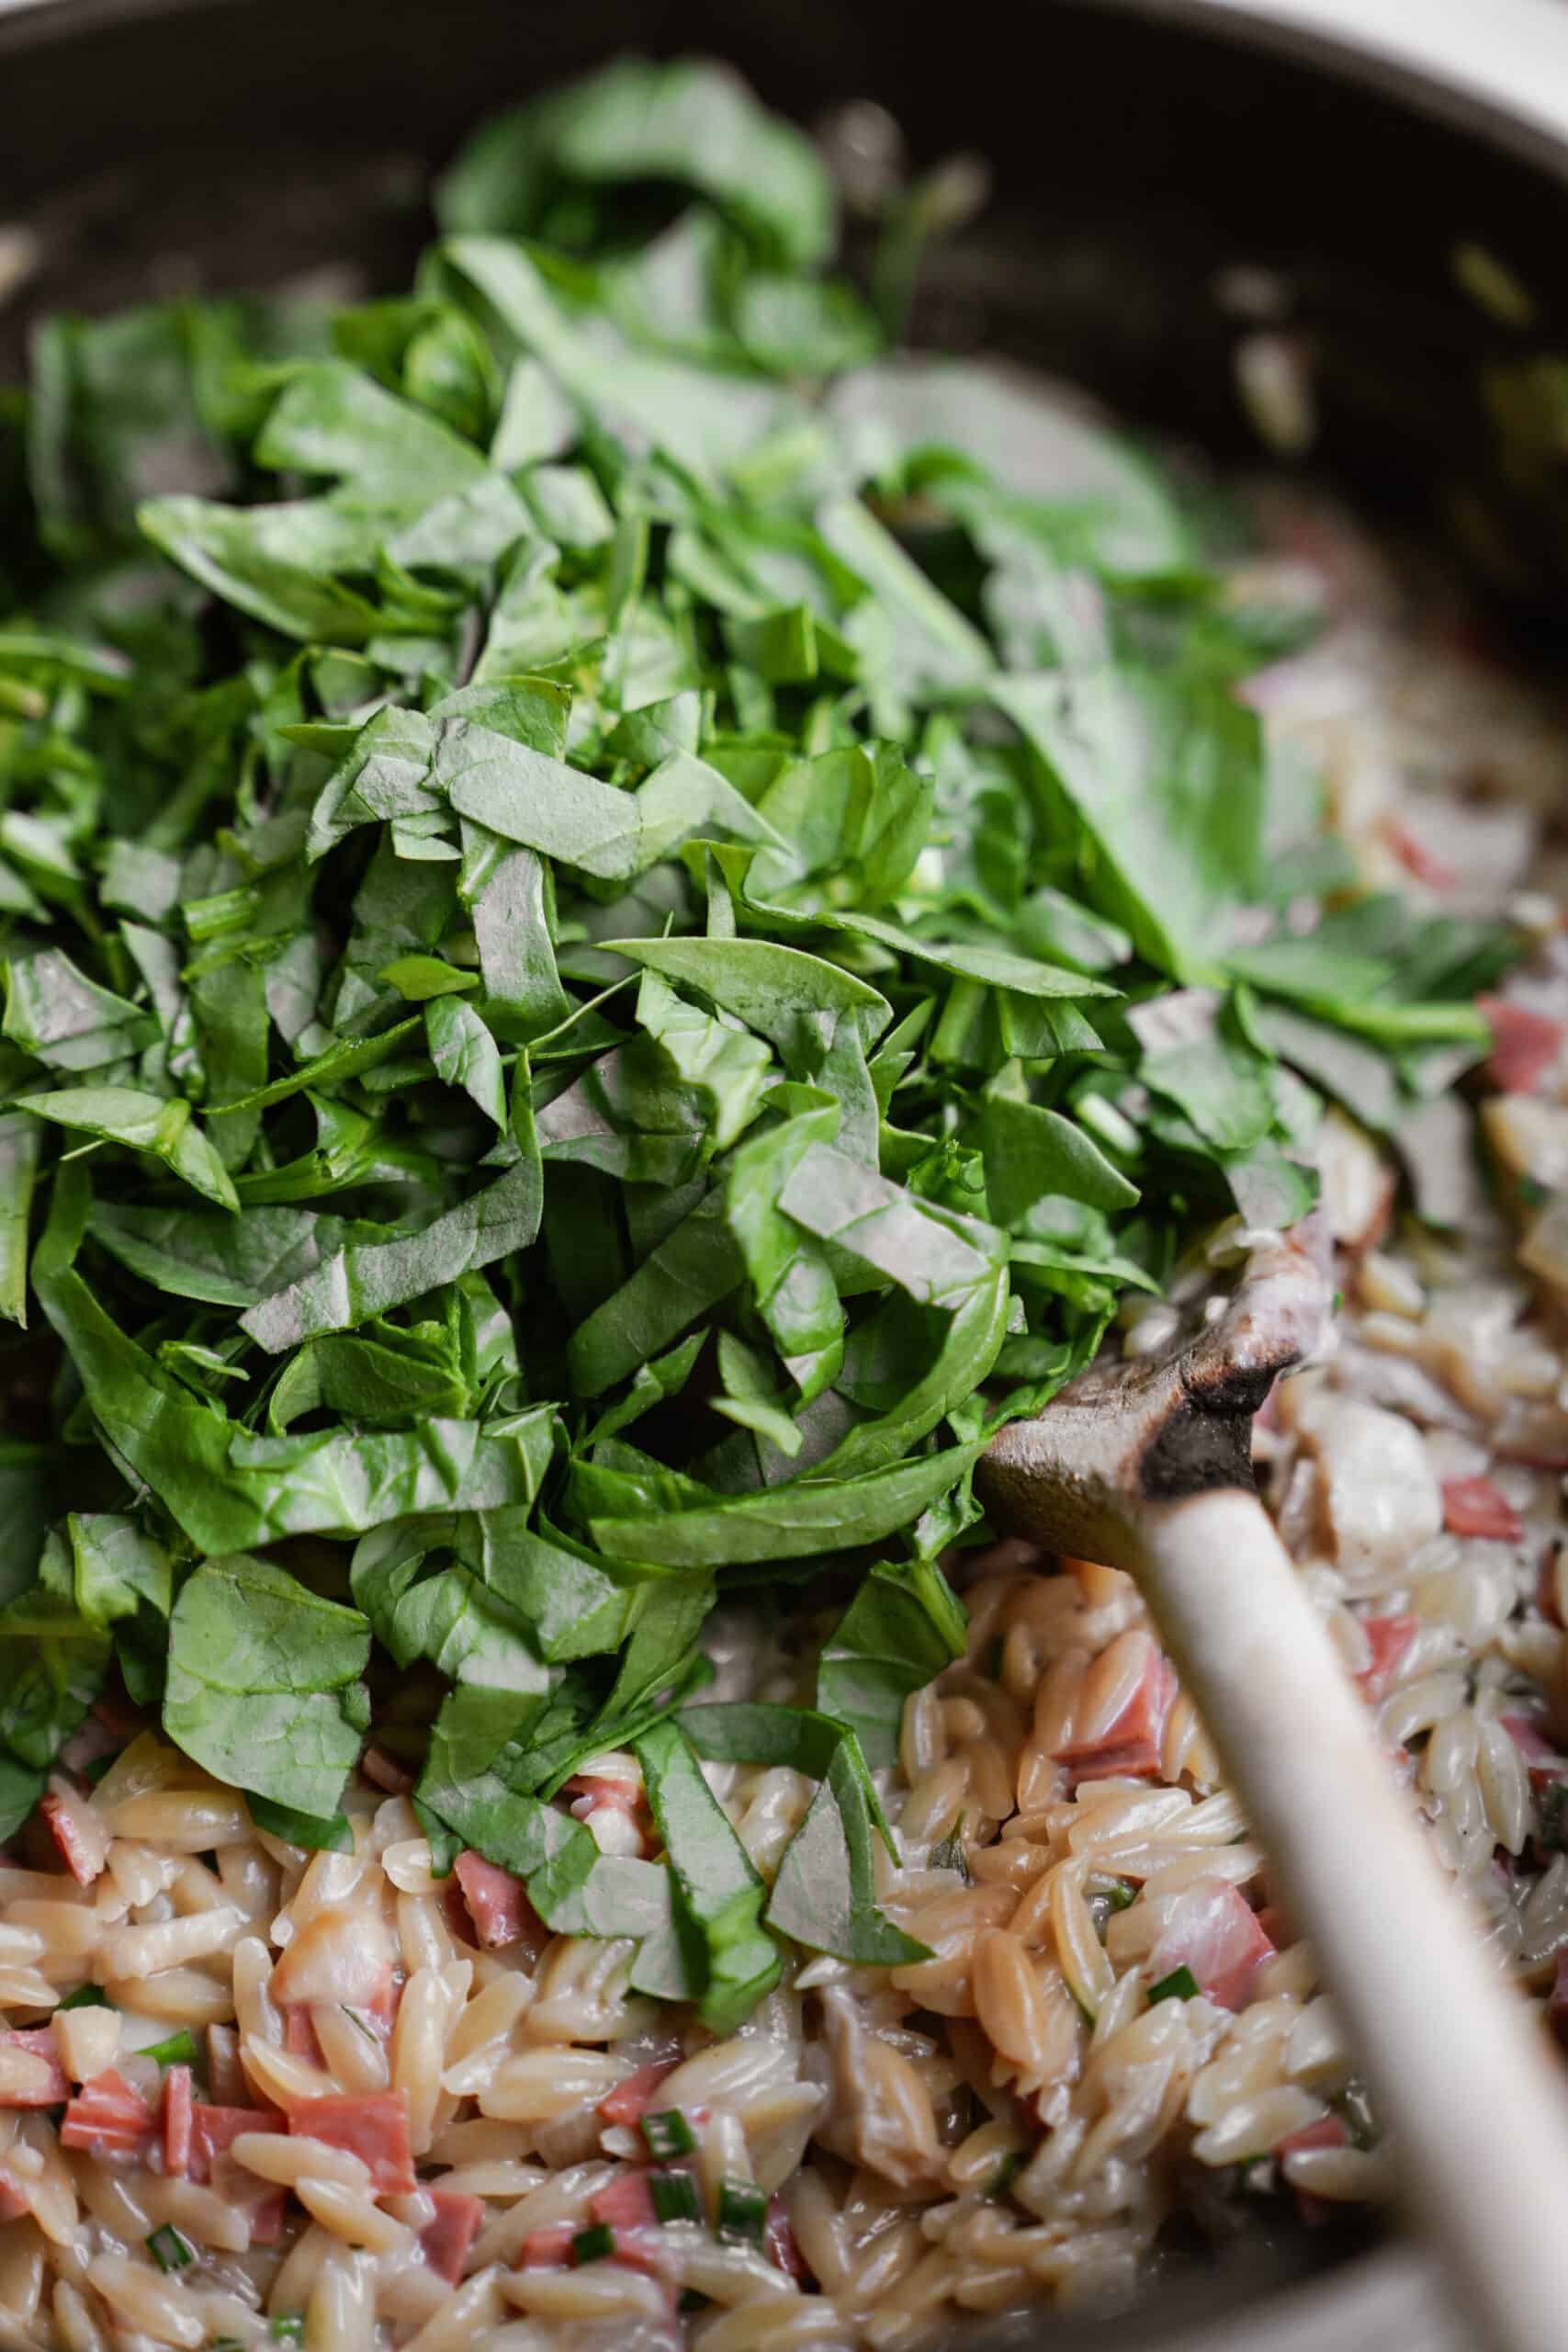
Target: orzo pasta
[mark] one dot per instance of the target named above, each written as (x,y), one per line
(590,1007)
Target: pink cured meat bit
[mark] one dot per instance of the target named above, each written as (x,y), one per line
(1420,860)
(380,2011)
(1525,1045)
(778,2241)
(178,2119)
(547,2248)
(39,2042)
(626,2204)
(299,2033)
(266,2217)
(1542,1761)
(1214,1932)
(1388,1639)
(82,1857)
(1328,2132)
(605,1788)
(1131,1744)
(108,2117)
(1474,1506)
(213,2129)
(631,2098)
(498,1902)
(374,2128)
(445,2242)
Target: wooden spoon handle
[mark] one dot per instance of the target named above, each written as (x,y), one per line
(1460,2075)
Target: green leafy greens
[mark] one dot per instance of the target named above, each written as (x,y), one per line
(623,922)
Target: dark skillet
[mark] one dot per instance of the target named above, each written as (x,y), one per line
(1137,152)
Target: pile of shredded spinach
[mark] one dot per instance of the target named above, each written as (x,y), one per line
(625,920)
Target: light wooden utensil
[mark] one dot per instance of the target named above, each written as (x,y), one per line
(1145,1465)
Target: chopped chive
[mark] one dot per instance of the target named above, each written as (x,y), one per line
(288,2329)
(86,1996)
(593,2244)
(225,2343)
(169,2250)
(180,2049)
(742,2213)
(1119,1893)
(1006,2173)
(674,2195)
(668,2135)
(1179,1985)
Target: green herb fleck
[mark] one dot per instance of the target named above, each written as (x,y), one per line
(668,2135)
(169,2250)
(674,2195)
(742,2213)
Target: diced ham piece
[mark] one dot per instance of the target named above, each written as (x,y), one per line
(178,2119)
(1417,858)
(604,1788)
(384,1771)
(1214,1932)
(628,2102)
(650,2251)
(614,1798)
(1543,1762)
(380,2011)
(49,2083)
(498,1903)
(299,2033)
(83,1840)
(1388,1639)
(1328,2132)
(445,2242)
(117,1714)
(266,2217)
(1474,1506)
(214,2128)
(778,2241)
(374,2128)
(626,2204)
(1525,1045)
(1130,1745)
(545,2248)
(108,2117)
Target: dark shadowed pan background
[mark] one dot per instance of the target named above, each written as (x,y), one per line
(148,151)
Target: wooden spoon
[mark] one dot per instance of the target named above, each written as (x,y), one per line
(1145,1464)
